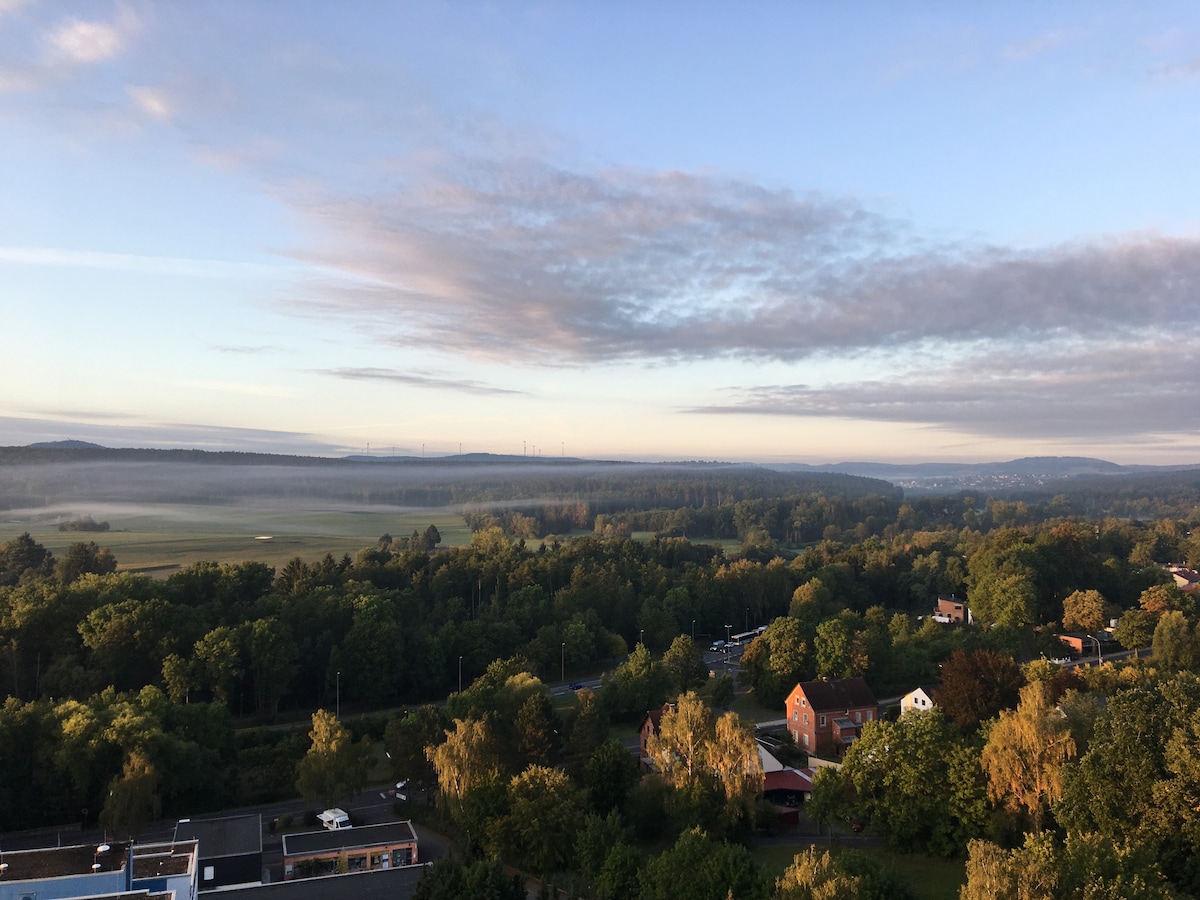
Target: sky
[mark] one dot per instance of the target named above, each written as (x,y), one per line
(807,232)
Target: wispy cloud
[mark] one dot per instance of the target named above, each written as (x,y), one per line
(417,379)
(137,432)
(1106,390)
(135,263)
(154,102)
(528,262)
(83,42)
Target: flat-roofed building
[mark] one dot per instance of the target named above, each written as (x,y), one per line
(231,851)
(117,869)
(363,849)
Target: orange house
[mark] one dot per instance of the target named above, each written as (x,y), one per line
(825,717)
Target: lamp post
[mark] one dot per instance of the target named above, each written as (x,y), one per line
(460,674)
(338,695)
(728,628)
(562,661)
(747,618)
(693,629)
(641,635)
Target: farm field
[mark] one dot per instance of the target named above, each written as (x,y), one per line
(163,538)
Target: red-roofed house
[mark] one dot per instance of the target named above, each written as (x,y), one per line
(824,717)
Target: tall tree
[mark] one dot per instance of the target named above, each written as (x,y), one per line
(334,766)
(685,665)
(1084,611)
(680,749)
(540,829)
(133,797)
(734,759)
(977,685)
(1024,755)
(813,877)
(1176,645)
(467,760)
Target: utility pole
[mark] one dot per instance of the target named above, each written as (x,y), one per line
(562,660)
(338,701)
(460,674)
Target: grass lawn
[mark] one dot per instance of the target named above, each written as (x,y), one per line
(928,877)
(149,537)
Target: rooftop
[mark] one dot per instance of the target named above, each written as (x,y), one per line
(59,862)
(227,836)
(845,693)
(159,860)
(348,838)
(382,884)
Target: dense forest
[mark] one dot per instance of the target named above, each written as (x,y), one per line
(132,697)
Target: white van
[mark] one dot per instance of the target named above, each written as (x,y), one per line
(716,646)
(333,819)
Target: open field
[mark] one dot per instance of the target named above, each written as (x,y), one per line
(161,538)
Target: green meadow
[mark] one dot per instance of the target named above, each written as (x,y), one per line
(160,539)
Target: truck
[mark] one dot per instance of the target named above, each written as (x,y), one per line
(333,819)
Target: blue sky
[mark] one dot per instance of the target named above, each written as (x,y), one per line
(766,231)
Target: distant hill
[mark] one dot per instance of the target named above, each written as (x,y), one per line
(1029,471)
(69,445)
(38,477)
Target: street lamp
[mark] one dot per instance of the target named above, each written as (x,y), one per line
(460,674)
(562,661)
(747,618)
(641,636)
(693,629)
(338,701)
(728,628)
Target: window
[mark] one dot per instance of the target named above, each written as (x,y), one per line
(806,718)
(858,717)
(870,715)
(804,701)
(804,737)
(209,873)
(795,716)
(822,720)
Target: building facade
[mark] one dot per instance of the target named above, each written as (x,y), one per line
(824,717)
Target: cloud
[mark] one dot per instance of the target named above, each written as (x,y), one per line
(1088,391)
(136,263)
(417,378)
(522,261)
(1188,69)
(154,102)
(83,42)
(57,426)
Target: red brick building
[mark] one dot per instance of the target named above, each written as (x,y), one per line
(825,717)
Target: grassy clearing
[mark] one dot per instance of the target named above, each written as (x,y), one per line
(149,537)
(928,877)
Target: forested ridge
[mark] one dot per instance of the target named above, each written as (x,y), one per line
(131,697)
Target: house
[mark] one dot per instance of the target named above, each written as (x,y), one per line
(1187,580)
(919,698)
(951,611)
(231,851)
(362,849)
(651,722)
(120,869)
(824,717)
